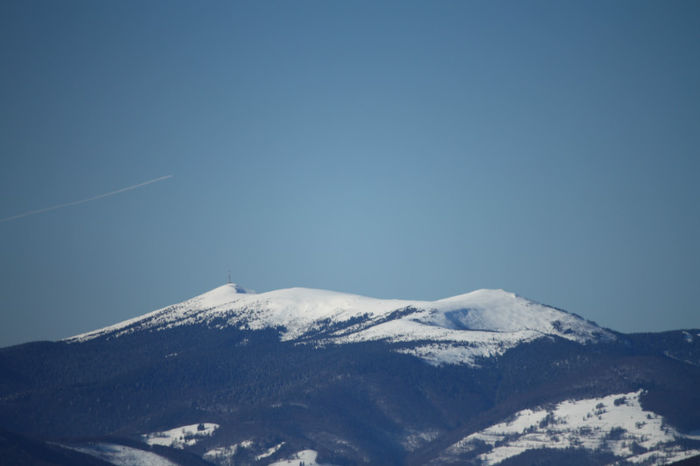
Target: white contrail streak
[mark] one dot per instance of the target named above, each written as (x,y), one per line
(83,201)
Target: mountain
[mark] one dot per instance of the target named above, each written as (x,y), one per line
(311,376)
(459,330)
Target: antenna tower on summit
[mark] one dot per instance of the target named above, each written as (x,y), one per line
(229,277)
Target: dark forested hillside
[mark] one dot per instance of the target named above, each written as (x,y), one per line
(350,403)
(316,377)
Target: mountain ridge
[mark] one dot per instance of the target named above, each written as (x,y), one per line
(324,377)
(481,323)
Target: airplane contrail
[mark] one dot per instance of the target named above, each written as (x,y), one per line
(83,201)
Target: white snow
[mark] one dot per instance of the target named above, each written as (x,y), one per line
(180,437)
(221,296)
(456,354)
(224,455)
(121,455)
(502,311)
(300,458)
(614,423)
(446,345)
(483,323)
(270,451)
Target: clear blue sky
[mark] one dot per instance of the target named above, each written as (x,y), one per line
(392,149)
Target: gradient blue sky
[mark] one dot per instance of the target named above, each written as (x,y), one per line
(392,149)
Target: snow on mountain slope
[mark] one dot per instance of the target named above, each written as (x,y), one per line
(122,455)
(501,311)
(225,454)
(180,437)
(460,329)
(481,324)
(300,458)
(181,312)
(615,423)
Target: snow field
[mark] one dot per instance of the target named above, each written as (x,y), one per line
(614,423)
(300,458)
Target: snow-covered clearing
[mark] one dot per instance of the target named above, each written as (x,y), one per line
(180,437)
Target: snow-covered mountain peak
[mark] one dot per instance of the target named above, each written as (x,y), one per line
(503,311)
(221,295)
(483,297)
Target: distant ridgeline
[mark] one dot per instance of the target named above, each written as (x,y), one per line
(302,376)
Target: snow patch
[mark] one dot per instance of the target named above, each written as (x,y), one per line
(224,455)
(270,451)
(447,353)
(300,458)
(182,436)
